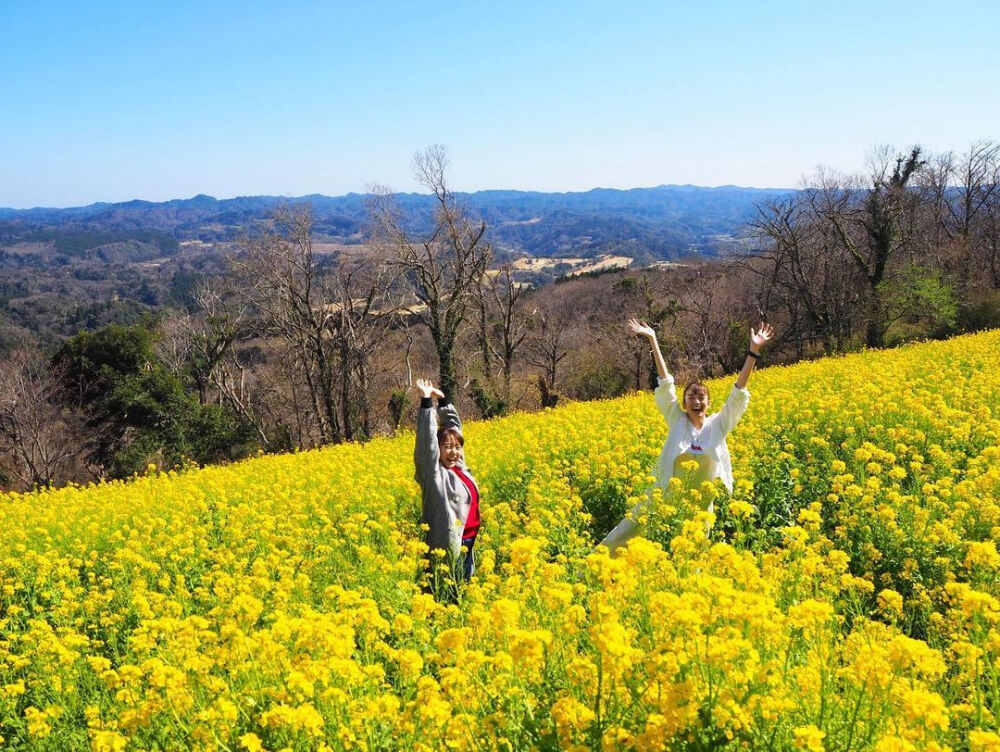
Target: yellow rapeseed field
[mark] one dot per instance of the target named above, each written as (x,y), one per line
(846,598)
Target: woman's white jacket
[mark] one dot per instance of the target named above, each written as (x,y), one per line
(711,437)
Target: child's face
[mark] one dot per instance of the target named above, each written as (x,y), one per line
(451,450)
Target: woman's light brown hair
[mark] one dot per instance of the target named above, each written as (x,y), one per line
(696,383)
(443,433)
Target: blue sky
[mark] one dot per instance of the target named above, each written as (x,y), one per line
(109,101)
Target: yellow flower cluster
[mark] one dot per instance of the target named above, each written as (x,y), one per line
(846,597)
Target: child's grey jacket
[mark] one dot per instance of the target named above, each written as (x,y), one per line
(446,500)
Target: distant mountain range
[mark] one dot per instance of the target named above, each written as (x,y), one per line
(661,223)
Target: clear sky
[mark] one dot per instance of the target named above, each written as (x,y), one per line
(110,101)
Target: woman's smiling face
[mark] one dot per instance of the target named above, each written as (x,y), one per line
(696,400)
(451,449)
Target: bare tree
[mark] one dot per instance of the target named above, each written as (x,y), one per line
(963,192)
(209,345)
(483,322)
(707,311)
(976,185)
(548,345)
(639,297)
(989,236)
(174,344)
(870,222)
(279,275)
(242,386)
(503,323)
(445,267)
(360,317)
(42,441)
(802,270)
(329,318)
(195,344)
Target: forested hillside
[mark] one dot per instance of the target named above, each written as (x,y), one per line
(662,222)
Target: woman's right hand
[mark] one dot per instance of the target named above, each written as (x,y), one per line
(427,389)
(760,337)
(641,328)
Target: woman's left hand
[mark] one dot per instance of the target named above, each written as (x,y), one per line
(760,336)
(427,389)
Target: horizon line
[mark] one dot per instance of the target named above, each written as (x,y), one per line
(393,193)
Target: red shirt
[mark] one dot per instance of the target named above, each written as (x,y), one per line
(472,521)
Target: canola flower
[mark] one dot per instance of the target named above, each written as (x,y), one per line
(845,597)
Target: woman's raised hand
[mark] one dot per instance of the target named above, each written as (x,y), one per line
(427,389)
(760,336)
(641,328)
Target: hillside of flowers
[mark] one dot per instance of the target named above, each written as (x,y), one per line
(846,597)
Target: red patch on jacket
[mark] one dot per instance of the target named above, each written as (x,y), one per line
(472,522)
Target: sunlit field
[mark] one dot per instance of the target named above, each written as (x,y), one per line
(846,598)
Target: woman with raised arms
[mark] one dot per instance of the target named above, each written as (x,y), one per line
(449,493)
(692,435)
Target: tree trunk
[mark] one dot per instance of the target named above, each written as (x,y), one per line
(366,422)
(444,345)
(345,390)
(314,395)
(327,390)
(875,331)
